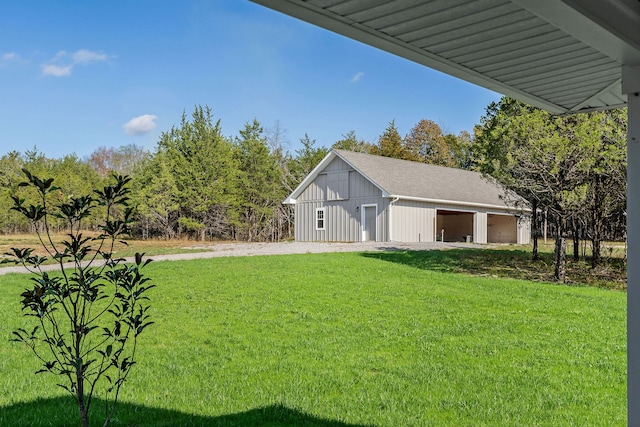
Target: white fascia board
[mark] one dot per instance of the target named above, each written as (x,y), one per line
(453,202)
(291,199)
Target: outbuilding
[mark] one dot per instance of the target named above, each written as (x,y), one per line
(361,197)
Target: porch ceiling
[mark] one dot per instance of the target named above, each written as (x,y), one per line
(561,55)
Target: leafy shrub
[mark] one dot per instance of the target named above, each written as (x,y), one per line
(88,317)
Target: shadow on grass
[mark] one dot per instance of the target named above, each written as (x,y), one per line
(61,411)
(507,263)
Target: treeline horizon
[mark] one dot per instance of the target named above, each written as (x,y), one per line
(199,184)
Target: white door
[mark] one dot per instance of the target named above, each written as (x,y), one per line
(369,223)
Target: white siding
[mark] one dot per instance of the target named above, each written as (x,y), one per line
(342,191)
(316,191)
(337,165)
(413,221)
(480,227)
(524,230)
(338,185)
(359,186)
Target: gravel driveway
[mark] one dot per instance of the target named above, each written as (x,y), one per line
(282,248)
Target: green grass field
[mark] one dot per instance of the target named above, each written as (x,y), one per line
(349,339)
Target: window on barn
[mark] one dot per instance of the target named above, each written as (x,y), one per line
(321,219)
(338,185)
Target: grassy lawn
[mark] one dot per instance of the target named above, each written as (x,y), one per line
(349,339)
(513,261)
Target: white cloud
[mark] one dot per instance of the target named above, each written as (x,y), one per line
(7,58)
(56,70)
(62,63)
(356,78)
(140,125)
(84,56)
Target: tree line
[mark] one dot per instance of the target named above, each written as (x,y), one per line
(198,183)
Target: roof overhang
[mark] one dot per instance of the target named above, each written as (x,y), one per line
(561,55)
(500,208)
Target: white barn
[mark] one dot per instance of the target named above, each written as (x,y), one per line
(361,197)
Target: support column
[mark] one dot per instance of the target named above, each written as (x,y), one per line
(480,227)
(631,87)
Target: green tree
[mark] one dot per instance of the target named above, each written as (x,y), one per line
(155,197)
(350,142)
(259,183)
(205,174)
(11,165)
(538,157)
(76,177)
(604,198)
(278,142)
(460,147)
(306,159)
(390,144)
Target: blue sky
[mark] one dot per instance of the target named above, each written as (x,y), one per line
(77,75)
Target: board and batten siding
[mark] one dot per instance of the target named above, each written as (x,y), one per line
(524,230)
(480,227)
(413,221)
(343,222)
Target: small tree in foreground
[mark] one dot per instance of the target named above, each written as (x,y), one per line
(88,316)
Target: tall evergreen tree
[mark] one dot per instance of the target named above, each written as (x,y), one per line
(390,144)
(155,195)
(205,173)
(260,182)
(278,142)
(350,142)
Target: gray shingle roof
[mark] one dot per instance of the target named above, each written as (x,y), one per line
(422,181)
